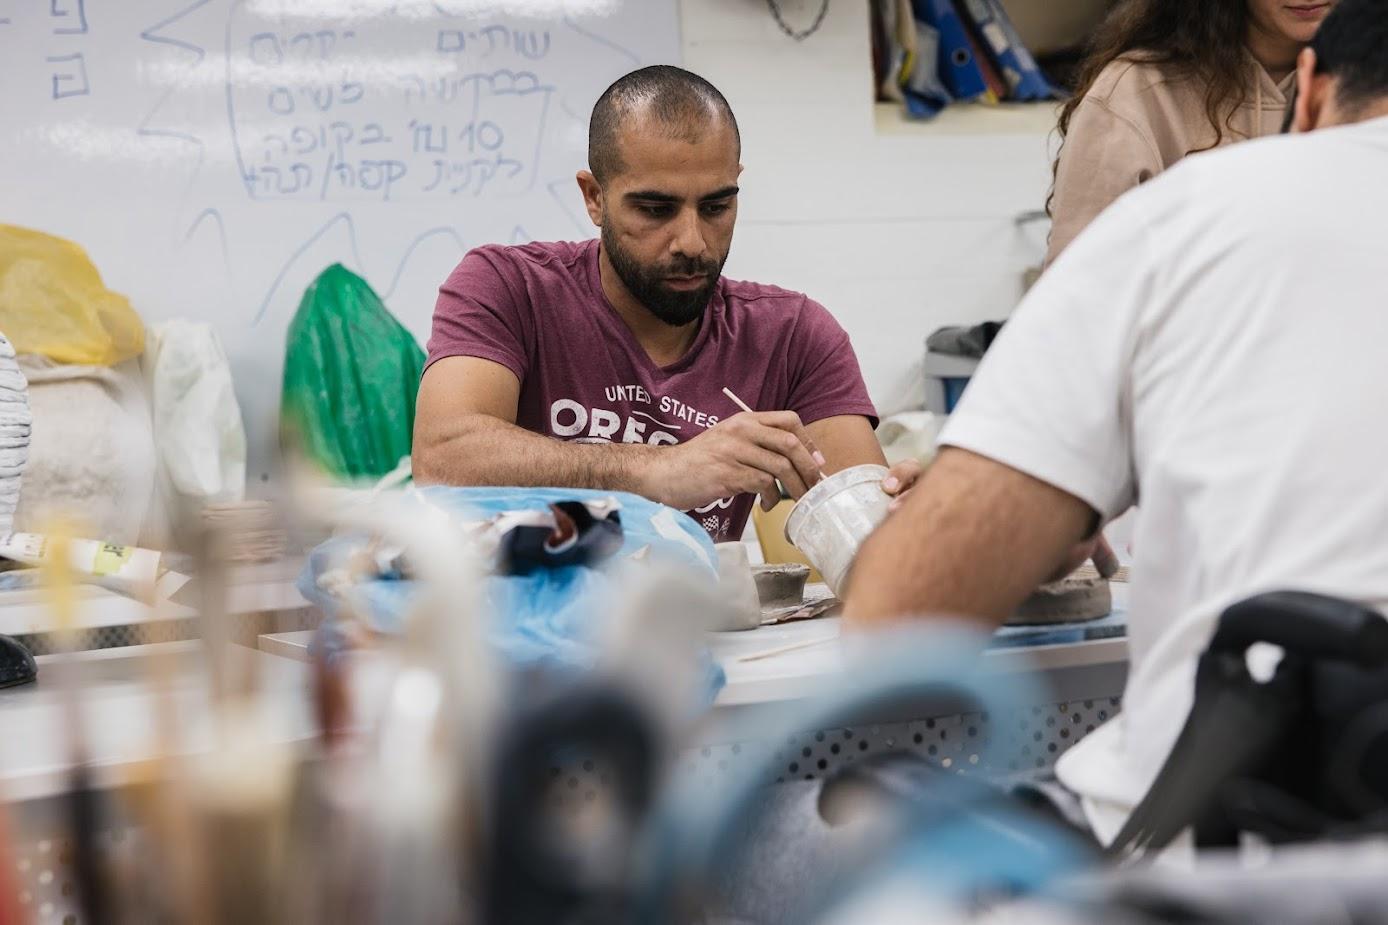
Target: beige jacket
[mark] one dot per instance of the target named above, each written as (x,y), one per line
(1136,121)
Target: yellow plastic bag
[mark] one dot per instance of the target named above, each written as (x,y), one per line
(53,303)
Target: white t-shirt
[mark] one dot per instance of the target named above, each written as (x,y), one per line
(1215,345)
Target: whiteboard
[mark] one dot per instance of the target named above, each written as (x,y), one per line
(214,156)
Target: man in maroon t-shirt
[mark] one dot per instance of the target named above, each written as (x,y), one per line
(622,348)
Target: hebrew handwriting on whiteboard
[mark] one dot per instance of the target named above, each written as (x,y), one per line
(413,85)
(69,76)
(315,115)
(529,45)
(491,40)
(373,134)
(72,14)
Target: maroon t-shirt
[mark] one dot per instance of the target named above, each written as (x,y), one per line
(539,310)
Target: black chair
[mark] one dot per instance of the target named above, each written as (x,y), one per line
(1301,756)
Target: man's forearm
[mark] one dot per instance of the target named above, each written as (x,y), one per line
(489,451)
(973,539)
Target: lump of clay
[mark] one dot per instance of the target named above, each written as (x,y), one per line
(1071,600)
(780,585)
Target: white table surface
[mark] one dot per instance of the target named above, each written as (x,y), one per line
(262,588)
(118,703)
(118,711)
(814,657)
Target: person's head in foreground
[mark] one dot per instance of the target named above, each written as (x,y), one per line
(1343,76)
(1209,352)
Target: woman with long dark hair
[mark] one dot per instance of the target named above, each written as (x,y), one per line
(1168,78)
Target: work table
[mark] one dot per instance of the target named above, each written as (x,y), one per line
(119,696)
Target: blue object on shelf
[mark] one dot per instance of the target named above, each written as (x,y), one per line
(1025,81)
(954,390)
(959,69)
(924,94)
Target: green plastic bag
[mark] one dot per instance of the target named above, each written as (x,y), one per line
(351,375)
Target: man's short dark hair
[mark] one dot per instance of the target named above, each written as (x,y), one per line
(680,101)
(1352,45)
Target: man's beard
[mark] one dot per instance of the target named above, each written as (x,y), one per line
(647,284)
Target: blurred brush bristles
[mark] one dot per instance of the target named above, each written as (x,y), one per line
(250,531)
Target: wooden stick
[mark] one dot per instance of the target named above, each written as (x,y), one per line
(737,401)
(745,407)
(772,653)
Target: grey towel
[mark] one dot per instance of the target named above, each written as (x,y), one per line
(964,342)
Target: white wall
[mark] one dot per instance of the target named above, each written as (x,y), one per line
(897,233)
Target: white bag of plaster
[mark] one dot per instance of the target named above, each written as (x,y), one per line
(197,421)
(92,459)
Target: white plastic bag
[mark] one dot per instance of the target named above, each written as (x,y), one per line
(197,421)
(911,435)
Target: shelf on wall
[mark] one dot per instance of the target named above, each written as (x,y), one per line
(949,366)
(971,119)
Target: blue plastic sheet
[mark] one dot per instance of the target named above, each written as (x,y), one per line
(1113,626)
(548,617)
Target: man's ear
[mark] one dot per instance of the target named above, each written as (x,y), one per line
(592,195)
(1308,104)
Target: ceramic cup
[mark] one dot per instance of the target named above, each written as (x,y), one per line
(836,517)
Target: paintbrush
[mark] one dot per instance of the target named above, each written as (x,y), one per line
(818,458)
(82,802)
(11,911)
(737,401)
(157,794)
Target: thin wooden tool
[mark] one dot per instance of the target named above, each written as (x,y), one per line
(772,653)
(745,407)
(737,401)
